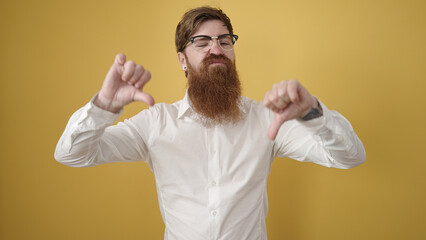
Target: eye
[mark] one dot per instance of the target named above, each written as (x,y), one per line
(201,42)
(226,40)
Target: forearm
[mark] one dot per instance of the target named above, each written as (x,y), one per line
(336,144)
(90,140)
(329,140)
(78,144)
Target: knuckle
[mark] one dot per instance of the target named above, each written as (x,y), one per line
(139,67)
(295,84)
(130,64)
(282,86)
(271,97)
(276,100)
(265,99)
(126,73)
(267,94)
(125,76)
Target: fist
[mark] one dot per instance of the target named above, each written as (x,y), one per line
(288,100)
(123,84)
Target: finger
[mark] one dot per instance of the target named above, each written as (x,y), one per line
(275,104)
(278,103)
(293,90)
(282,95)
(129,69)
(120,59)
(275,126)
(144,97)
(271,97)
(291,112)
(137,74)
(266,101)
(146,76)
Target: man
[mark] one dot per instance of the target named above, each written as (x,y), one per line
(211,152)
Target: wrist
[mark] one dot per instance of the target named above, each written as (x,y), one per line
(314,112)
(104,104)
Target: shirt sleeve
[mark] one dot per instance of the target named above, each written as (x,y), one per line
(328,140)
(90,140)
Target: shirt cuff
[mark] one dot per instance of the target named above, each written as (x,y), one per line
(99,116)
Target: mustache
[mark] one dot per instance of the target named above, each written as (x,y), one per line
(213,58)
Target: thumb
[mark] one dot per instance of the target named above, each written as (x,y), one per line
(144,97)
(275,126)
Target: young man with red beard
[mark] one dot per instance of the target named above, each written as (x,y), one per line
(212,151)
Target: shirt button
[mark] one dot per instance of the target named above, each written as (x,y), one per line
(214,183)
(214,213)
(213,151)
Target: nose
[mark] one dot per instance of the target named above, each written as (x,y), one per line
(215,48)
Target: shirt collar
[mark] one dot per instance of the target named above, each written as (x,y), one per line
(185,106)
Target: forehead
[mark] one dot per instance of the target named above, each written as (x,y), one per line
(212,28)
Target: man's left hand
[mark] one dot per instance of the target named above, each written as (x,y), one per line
(288,100)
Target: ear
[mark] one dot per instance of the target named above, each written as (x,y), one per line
(182,60)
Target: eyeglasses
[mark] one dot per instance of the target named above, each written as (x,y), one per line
(203,43)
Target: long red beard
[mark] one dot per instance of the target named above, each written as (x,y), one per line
(215,91)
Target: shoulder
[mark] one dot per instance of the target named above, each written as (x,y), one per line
(161,110)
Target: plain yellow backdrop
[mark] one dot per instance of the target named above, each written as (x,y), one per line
(363,58)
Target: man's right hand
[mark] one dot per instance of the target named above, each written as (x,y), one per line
(123,84)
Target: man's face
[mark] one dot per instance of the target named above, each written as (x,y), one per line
(194,58)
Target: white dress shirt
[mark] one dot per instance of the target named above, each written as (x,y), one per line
(211,181)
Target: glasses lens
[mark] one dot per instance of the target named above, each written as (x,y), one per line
(227,42)
(201,43)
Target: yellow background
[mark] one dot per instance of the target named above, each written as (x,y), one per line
(364,58)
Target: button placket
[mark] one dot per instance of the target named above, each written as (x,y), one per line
(213,178)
